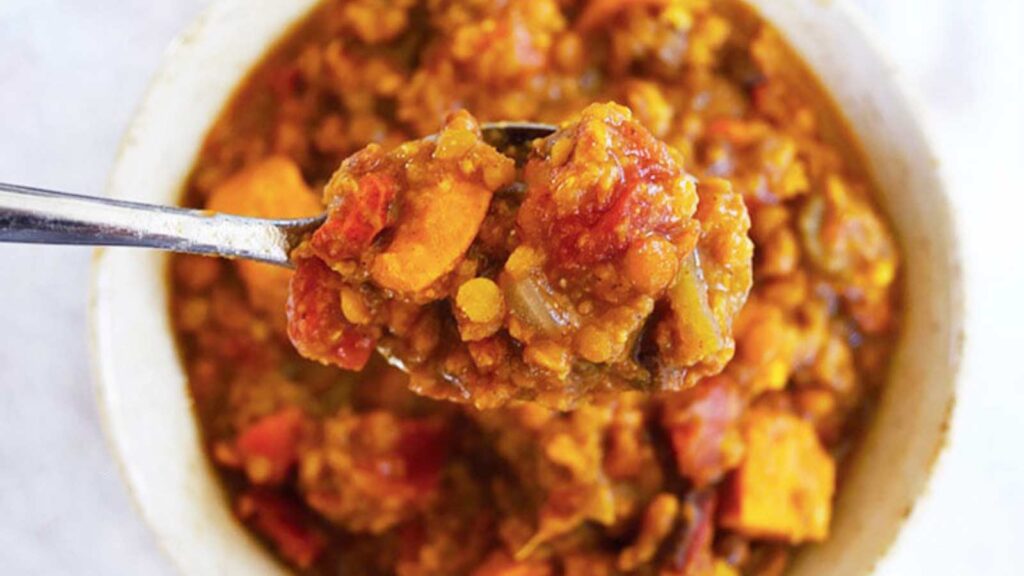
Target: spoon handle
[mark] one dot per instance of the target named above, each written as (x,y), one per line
(34,216)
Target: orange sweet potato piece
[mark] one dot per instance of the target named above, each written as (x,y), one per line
(271,188)
(433,233)
(356,217)
(783,489)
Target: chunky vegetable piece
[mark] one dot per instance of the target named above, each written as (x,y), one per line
(271,188)
(601,186)
(441,223)
(703,426)
(783,488)
(605,234)
(431,198)
(317,323)
(335,470)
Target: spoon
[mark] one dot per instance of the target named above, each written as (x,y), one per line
(35,216)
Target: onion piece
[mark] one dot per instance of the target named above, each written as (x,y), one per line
(697,333)
(532,300)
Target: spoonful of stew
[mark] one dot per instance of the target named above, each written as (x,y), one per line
(492,263)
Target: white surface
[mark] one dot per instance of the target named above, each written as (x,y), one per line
(967,62)
(71,74)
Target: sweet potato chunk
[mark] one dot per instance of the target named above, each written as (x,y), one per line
(434,232)
(783,489)
(399,225)
(272,188)
(401,220)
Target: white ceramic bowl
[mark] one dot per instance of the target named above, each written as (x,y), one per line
(142,388)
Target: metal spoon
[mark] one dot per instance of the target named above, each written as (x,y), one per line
(34,216)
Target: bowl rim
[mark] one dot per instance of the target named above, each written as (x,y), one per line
(194,32)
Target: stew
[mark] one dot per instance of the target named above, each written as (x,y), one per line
(345,472)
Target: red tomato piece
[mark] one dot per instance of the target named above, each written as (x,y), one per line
(360,215)
(424,447)
(284,523)
(316,325)
(703,424)
(602,183)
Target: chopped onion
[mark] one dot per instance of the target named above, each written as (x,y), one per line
(697,332)
(533,301)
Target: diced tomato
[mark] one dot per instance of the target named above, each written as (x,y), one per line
(703,424)
(603,239)
(599,222)
(273,439)
(359,216)
(316,325)
(424,447)
(284,523)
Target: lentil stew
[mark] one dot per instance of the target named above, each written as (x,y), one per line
(351,473)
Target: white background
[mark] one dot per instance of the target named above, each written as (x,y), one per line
(71,74)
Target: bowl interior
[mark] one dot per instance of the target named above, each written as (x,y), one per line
(143,391)
(893,461)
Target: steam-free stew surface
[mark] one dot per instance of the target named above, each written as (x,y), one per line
(353,474)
